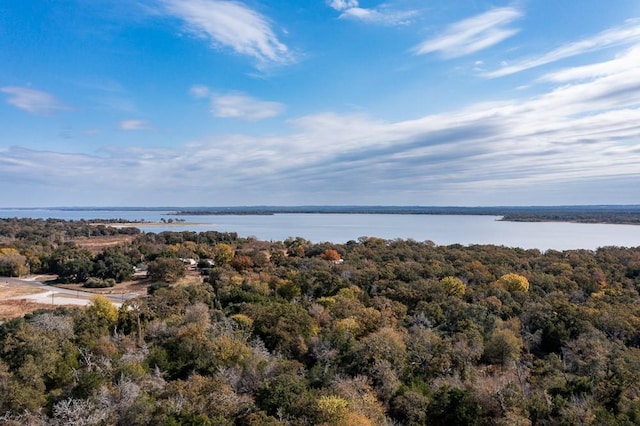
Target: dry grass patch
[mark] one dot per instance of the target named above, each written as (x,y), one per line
(8,292)
(15,308)
(97,244)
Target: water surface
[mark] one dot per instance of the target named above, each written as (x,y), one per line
(340,228)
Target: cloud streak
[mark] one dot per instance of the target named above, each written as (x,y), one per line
(237,105)
(134,124)
(626,34)
(473,34)
(33,101)
(232,25)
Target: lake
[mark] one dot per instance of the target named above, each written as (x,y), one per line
(340,228)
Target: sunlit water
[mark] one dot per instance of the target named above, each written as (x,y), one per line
(340,228)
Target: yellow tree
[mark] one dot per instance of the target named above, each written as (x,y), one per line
(453,286)
(514,282)
(12,263)
(223,254)
(102,309)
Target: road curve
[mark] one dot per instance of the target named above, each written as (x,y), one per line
(63,294)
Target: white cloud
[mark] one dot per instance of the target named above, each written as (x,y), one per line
(628,60)
(472,34)
(134,125)
(379,16)
(382,15)
(343,4)
(626,34)
(238,105)
(33,101)
(199,91)
(232,24)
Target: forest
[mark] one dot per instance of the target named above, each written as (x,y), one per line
(370,332)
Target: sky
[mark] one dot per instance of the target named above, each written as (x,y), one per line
(319,102)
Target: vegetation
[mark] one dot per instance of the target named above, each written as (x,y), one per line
(371,332)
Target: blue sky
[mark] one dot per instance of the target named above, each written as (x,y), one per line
(403,102)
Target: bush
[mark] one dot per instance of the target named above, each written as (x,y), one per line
(93,282)
(157,286)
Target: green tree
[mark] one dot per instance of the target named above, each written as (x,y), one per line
(113,264)
(453,406)
(286,393)
(166,269)
(503,347)
(72,263)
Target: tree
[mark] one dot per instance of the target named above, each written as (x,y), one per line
(330,255)
(285,392)
(384,345)
(410,408)
(453,406)
(453,286)
(242,263)
(223,254)
(504,347)
(284,327)
(333,409)
(72,263)
(102,311)
(113,264)
(166,269)
(514,282)
(12,263)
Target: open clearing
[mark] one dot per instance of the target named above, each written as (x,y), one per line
(97,244)
(12,305)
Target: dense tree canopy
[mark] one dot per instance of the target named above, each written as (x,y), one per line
(280,333)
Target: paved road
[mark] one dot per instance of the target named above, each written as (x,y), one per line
(62,293)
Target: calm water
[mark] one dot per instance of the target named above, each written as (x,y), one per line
(340,228)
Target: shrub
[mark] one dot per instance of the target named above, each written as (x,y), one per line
(93,282)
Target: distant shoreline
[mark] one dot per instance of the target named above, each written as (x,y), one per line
(587,214)
(615,215)
(147,224)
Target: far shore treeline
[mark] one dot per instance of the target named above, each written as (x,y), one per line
(622,215)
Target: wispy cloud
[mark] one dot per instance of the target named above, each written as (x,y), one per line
(238,105)
(232,25)
(626,34)
(134,124)
(472,34)
(383,15)
(627,60)
(33,101)
(199,91)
